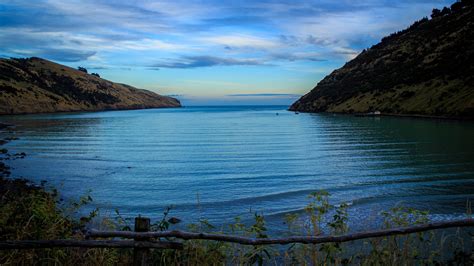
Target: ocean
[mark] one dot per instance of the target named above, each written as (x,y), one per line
(218,163)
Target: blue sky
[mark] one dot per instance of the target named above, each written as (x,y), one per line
(205,52)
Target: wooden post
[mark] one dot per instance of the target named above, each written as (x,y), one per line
(141,255)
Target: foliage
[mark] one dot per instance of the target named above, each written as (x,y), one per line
(435,13)
(32,213)
(82,69)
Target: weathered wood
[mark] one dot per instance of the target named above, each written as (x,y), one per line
(65,243)
(32,244)
(288,240)
(141,255)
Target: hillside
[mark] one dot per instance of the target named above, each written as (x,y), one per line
(426,69)
(35,85)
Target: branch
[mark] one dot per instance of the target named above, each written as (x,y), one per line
(284,241)
(29,244)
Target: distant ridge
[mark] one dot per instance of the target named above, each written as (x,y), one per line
(426,70)
(36,85)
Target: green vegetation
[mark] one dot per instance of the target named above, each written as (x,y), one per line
(82,69)
(35,85)
(426,69)
(31,213)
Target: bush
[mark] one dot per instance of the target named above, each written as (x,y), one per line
(36,214)
(83,69)
(457,6)
(445,11)
(435,13)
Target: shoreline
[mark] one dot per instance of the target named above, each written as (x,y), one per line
(84,111)
(9,185)
(416,116)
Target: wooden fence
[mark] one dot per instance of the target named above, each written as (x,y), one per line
(144,240)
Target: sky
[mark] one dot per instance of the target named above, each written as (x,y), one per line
(206,52)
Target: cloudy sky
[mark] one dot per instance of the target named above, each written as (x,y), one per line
(205,52)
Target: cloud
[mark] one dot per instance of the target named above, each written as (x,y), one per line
(308,56)
(349,53)
(97,67)
(63,55)
(121,34)
(264,95)
(242,41)
(231,20)
(205,61)
(66,55)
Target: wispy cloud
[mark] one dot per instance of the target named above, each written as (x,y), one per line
(308,56)
(264,95)
(65,55)
(275,28)
(302,40)
(242,41)
(204,61)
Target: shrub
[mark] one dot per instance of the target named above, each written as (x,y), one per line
(83,69)
(457,6)
(435,13)
(445,11)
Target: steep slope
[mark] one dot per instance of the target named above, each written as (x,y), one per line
(427,69)
(36,85)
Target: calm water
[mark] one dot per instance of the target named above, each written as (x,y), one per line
(221,162)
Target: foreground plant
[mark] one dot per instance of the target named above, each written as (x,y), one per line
(32,213)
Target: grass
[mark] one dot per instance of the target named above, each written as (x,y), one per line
(435,97)
(29,212)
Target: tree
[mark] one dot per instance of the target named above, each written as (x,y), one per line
(457,7)
(95,74)
(445,11)
(435,13)
(83,69)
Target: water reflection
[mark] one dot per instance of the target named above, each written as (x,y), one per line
(240,158)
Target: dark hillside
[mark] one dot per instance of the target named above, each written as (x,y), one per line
(35,85)
(426,69)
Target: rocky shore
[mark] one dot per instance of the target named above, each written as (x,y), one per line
(11,187)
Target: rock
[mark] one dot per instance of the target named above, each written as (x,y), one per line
(174,220)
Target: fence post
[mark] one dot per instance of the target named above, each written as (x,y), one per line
(141,255)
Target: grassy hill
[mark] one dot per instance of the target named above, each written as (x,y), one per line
(35,85)
(426,69)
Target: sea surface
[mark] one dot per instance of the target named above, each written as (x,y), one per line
(217,163)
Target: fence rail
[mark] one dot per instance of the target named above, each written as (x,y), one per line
(145,240)
(284,241)
(64,243)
